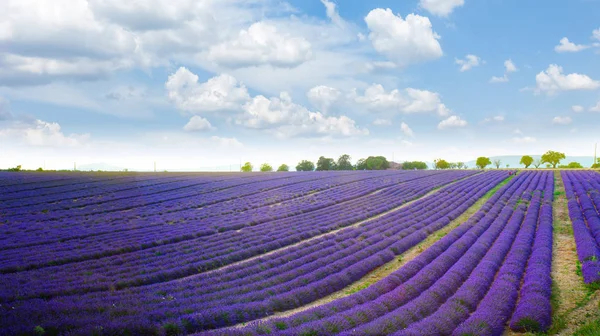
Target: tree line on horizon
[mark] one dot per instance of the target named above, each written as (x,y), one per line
(551,159)
(344,162)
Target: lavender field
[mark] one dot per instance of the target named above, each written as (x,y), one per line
(274,253)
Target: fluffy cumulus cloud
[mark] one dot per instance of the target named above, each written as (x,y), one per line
(509,66)
(198,124)
(220,93)
(440,7)
(568,46)
(562,120)
(323,97)
(403,41)
(469,62)
(553,80)
(281,116)
(496,79)
(259,45)
(577,108)
(452,122)
(595,108)
(376,98)
(406,130)
(39,133)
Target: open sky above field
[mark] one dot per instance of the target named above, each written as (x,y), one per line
(194,84)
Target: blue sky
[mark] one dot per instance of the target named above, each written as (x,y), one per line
(200,84)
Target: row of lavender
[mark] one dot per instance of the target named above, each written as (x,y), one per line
(179,259)
(287,279)
(103,240)
(493,269)
(227,205)
(583,195)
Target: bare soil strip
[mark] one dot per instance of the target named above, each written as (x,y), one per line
(573,303)
(435,190)
(385,270)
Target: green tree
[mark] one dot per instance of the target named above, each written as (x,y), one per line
(597,164)
(419,165)
(526,160)
(265,167)
(325,164)
(553,158)
(247,167)
(460,165)
(537,163)
(361,164)
(373,163)
(497,163)
(377,163)
(483,162)
(441,164)
(305,165)
(283,167)
(344,162)
(572,165)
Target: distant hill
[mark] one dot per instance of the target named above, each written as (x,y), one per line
(513,160)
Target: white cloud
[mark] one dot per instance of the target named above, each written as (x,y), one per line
(510,66)
(382,122)
(595,108)
(261,44)
(410,100)
(568,46)
(524,140)
(452,122)
(517,131)
(406,130)
(39,133)
(577,108)
(562,120)
(403,41)
(332,13)
(286,119)
(469,62)
(553,80)
(323,97)
(198,124)
(220,93)
(440,7)
(498,118)
(596,34)
(502,79)
(377,65)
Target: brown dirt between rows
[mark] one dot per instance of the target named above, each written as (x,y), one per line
(572,309)
(388,268)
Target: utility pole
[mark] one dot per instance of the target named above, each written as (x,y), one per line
(74,166)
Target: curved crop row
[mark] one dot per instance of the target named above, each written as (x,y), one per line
(173,230)
(454,285)
(198,255)
(280,281)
